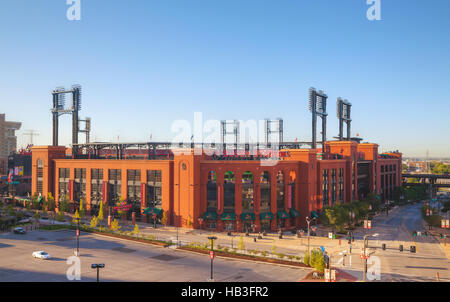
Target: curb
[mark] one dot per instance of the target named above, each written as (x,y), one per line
(244,260)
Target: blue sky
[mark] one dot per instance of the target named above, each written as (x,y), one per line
(144,64)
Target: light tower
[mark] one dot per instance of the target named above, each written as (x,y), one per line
(318,107)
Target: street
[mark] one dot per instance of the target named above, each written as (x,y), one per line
(124,261)
(396,229)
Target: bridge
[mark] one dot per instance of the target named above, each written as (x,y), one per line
(432,181)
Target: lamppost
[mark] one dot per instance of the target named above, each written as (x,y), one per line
(98,267)
(77,219)
(366,241)
(212,238)
(308,220)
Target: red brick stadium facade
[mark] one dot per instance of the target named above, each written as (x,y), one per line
(201,191)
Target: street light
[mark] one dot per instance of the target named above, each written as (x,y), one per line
(212,238)
(98,267)
(366,241)
(308,220)
(77,219)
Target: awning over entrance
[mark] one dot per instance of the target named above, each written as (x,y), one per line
(314,214)
(282,214)
(266,216)
(294,213)
(248,216)
(152,211)
(210,216)
(228,216)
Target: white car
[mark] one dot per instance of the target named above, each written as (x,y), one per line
(41,255)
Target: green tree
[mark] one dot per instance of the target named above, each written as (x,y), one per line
(320,263)
(64,204)
(94,222)
(60,216)
(115,225)
(50,202)
(136,230)
(241,245)
(164,218)
(121,202)
(100,214)
(76,217)
(36,216)
(82,209)
(306,259)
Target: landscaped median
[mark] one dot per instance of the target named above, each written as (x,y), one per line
(150,239)
(252,255)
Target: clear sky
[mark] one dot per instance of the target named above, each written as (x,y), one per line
(144,64)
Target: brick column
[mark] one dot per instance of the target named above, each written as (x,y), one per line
(257,199)
(88,190)
(273,199)
(238,200)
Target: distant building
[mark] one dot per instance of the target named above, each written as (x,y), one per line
(8,141)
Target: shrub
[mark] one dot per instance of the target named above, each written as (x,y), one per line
(115,225)
(94,222)
(307,258)
(280,255)
(241,244)
(60,217)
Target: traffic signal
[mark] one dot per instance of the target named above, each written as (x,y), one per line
(440,236)
(425,234)
(415,233)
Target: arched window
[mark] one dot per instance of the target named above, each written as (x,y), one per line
(291,190)
(229,192)
(280,191)
(247,192)
(265,191)
(211,191)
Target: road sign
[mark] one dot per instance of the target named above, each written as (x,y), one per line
(330,235)
(445,223)
(211,254)
(419,233)
(322,248)
(326,274)
(369,224)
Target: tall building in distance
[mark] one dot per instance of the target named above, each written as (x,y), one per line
(8,140)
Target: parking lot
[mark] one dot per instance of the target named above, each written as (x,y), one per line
(124,261)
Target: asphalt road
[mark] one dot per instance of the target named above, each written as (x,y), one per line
(124,261)
(396,229)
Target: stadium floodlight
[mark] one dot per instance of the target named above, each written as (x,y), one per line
(318,107)
(343,112)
